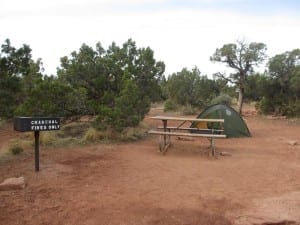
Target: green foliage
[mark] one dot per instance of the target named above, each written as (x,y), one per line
(169,106)
(222,99)
(189,88)
(128,110)
(18,74)
(295,82)
(281,88)
(16,150)
(53,98)
(131,109)
(117,84)
(242,57)
(293,109)
(120,82)
(8,101)
(255,87)
(264,106)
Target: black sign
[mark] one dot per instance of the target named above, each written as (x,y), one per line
(36,123)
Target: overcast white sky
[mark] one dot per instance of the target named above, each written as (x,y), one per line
(182,33)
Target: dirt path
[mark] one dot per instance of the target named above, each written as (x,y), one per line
(132,183)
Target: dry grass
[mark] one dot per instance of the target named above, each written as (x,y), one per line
(74,134)
(15,147)
(48,137)
(91,135)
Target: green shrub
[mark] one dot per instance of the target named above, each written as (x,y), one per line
(16,149)
(128,110)
(264,106)
(2,122)
(222,99)
(169,106)
(293,109)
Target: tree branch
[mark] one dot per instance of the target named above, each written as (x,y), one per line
(222,76)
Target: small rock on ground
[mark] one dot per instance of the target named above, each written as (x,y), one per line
(293,143)
(13,183)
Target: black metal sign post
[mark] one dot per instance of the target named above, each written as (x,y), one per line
(36,124)
(37,150)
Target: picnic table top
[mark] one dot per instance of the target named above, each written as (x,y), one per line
(187,119)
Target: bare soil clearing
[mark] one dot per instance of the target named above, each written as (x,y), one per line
(132,183)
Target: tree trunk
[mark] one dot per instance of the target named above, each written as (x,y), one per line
(240,100)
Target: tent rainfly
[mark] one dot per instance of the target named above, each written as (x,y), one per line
(234,125)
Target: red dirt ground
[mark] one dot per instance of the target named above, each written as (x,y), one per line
(133,184)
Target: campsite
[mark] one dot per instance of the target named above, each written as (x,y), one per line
(133,183)
(114,138)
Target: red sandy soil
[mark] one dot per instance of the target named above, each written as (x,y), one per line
(133,184)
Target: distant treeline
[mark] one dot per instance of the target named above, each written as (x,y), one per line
(117,85)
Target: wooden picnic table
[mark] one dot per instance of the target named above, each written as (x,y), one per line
(165,132)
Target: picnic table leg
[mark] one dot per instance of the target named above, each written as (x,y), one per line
(212,144)
(165,123)
(213,147)
(165,139)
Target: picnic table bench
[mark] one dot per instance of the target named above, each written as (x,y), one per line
(165,132)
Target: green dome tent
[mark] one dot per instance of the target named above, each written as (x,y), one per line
(234,125)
